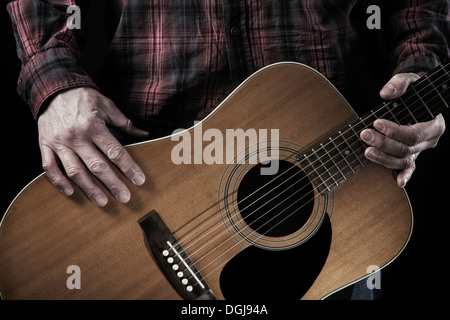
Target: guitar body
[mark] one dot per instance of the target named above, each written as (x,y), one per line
(44,232)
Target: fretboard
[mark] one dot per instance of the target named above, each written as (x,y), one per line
(337,158)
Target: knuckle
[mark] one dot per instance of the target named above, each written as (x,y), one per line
(441,126)
(114,185)
(433,143)
(82,128)
(409,162)
(404,151)
(115,153)
(97,166)
(73,172)
(417,136)
(56,181)
(47,165)
(377,141)
(128,124)
(78,143)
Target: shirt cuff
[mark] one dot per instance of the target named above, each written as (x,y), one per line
(49,72)
(418,64)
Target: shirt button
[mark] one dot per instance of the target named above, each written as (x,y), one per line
(235,31)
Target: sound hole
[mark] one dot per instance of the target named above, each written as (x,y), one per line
(276,205)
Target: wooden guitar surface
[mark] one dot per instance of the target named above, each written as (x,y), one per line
(44,232)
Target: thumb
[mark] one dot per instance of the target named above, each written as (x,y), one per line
(397,85)
(116,118)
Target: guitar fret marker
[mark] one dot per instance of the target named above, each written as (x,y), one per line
(348,151)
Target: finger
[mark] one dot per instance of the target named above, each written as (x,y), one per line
(118,155)
(116,118)
(404,176)
(101,168)
(53,172)
(388,160)
(77,172)
(386,144)
(397,85)
(421,136)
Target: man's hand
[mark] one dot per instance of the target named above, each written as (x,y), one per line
(72,131)
(395,146)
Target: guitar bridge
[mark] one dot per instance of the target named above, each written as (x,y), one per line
(173,260)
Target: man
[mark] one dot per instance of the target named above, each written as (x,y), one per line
(172,62)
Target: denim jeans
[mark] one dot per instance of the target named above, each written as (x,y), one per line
(362,292)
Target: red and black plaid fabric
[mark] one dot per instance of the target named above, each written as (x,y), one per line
(174,61)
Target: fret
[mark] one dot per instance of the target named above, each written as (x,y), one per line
(387,106)
(428,95)
(423,102)
(342,155)
(357,135)
(378,113)
(439,94)
(351,149)
(414,104)
(314,170)
(334,163)
(402,114)
(361,121)
(407,109)
(447,73)
(325,172)
(370,118)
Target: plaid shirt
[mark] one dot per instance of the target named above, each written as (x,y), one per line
(171,62)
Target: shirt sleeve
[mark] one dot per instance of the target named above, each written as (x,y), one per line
(419,35)
(48,48)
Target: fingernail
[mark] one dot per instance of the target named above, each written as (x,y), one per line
(124,197)
(367,136)
(101,201)
(379,125)
(138,179)
(68,191)
(388,90)
(372,154)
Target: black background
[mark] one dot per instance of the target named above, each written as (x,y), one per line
(419,273)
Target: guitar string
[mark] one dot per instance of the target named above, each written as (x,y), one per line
(362,121)
(241,240)
(263,225)
(327,152)
(238,242)
(291,195)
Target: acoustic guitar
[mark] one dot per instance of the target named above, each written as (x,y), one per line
(202,230)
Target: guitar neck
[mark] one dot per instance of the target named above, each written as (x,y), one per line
(340,156)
